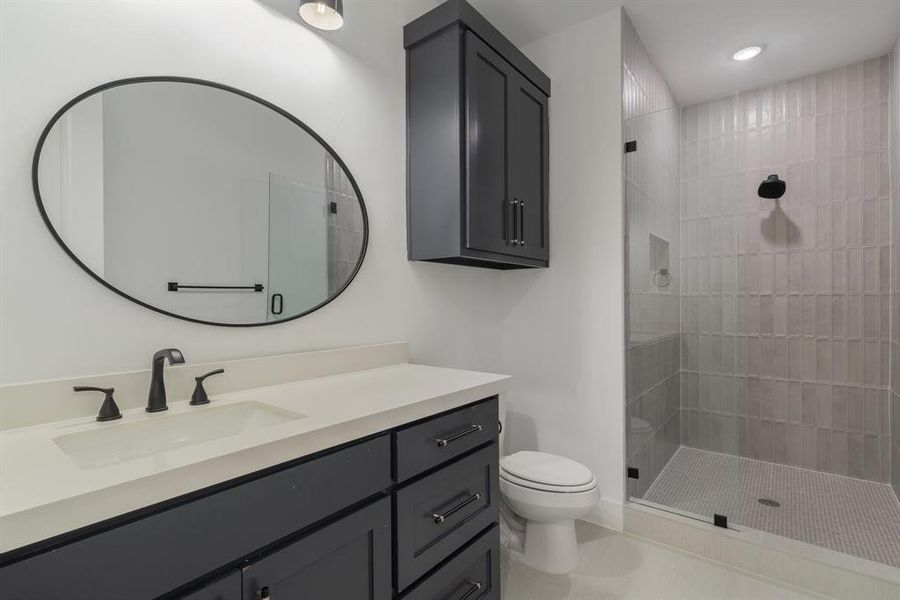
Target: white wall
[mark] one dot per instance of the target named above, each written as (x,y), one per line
(55,321)
(563,328)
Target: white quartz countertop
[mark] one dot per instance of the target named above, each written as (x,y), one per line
(44,493)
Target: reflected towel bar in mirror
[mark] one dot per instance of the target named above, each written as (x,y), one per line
(174,286)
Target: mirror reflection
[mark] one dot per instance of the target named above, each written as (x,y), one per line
(201,202)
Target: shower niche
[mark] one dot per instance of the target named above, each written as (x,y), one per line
(660,275)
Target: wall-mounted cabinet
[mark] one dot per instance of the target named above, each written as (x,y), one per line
(477,144)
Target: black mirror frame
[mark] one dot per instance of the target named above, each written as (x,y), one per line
(174,79)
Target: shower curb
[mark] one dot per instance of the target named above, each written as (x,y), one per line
(821,571)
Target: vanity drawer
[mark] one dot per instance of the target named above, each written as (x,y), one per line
(438,514)
(426,445)
(155,554)
(474,571)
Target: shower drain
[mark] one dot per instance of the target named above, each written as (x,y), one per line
(769,502)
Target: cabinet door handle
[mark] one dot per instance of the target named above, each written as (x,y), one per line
(522,222)
(515,207)
(441,517)
(475,587)
(442,442)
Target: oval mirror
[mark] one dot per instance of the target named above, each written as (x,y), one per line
(200,201)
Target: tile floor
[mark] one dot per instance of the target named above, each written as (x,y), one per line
(853,516)
(618,566)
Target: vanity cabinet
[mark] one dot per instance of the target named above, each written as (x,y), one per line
(348,559)
(224,588)
(374,519)
(477,144)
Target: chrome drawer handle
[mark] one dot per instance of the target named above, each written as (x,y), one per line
(472,589)
(440,518)
(441,442)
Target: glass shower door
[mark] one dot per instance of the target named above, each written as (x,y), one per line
(298,247)
(681,404)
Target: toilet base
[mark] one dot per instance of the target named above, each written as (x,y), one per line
(549,547)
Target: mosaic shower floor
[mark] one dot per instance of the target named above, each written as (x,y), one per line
(853,516)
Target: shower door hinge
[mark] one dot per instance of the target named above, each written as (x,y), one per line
(633,473)
(631,146)
(720,521)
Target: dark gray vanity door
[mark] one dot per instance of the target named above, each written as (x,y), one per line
(348,560)
(224,588)
(529,155)
(474,571)
(488,213)
(441,512)
(156,554)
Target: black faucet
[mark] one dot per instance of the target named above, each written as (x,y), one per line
(156,402)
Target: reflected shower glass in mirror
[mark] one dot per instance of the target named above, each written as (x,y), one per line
(200,201)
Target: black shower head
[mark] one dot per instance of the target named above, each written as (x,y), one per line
(772,187)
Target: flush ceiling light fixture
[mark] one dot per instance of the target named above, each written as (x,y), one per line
(747,53)
(322,14)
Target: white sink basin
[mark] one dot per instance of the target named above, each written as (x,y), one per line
(123,442)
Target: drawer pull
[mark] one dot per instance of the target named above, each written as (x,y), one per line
(475,587)
(264,594)
(440,518)
(442,442)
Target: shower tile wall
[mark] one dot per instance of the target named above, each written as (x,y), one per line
(345,225)
(895,270)
(651,177)
(653,359)
(786,306)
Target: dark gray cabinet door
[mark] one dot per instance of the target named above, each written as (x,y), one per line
(428,444)
(156,554)
(473,573)
(349,559)
(223,588)
(529,155)
(438,514)
(487,211)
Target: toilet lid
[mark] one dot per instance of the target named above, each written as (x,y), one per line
(546,469)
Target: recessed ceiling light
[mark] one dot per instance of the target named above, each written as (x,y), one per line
(322,14)
(747,53)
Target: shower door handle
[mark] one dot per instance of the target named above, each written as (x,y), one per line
(280,304)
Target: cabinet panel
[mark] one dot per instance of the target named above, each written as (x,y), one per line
(180,544)
(224,588)
(528,167)
(425,445)
(439,513)
(349,559)
(475,570)
(487,84)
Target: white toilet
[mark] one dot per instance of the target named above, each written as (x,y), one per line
(548,493)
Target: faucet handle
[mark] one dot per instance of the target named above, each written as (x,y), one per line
(109,410)
(199,396)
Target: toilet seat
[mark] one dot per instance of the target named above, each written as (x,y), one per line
(546,472)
